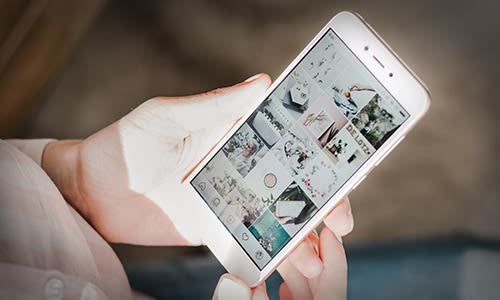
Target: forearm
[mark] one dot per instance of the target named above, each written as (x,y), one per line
(61,161)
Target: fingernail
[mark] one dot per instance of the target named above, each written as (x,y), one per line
(349,212)
(231,289)
(253,77)
(348,207)
(339,238)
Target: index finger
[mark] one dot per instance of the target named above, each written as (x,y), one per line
(305,257)
(340,219)
(332,282)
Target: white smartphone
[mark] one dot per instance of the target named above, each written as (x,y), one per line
(337,110)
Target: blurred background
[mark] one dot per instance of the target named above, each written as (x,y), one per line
(427,219)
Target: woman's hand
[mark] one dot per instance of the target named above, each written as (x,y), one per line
(316,269)
(125,180)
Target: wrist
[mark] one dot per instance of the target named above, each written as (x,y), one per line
(61,161)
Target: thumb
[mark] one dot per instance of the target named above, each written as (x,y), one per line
(217,107)
(230,287)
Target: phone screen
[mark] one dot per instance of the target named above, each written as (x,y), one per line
(298,148)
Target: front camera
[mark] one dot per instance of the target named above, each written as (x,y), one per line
(390,74)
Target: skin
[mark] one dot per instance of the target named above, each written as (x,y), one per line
(126,181)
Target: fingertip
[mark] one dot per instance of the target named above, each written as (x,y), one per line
(266,78)
(350,216)
(330,246)
(231,287)
(261,78)
(340,220)
(255,77)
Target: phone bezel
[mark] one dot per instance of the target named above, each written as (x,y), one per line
(406,88)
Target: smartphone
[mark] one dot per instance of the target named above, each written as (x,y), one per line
(337,110)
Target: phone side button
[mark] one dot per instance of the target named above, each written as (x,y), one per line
(357,183)
(389,150)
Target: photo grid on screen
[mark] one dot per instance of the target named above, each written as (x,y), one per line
(298,148)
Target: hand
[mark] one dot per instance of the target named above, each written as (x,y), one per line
(125,180)
(316,269)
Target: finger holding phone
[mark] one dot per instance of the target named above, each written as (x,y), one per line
(316,269)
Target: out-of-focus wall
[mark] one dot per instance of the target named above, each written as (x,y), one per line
(441,180)
(36,39)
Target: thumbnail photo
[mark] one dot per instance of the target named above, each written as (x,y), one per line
(296,92)
(295,150)
(351,92)
(244,149)
(221,174)
(322,120)
(320,180)
(271,121)
(348,150)
(379,119)
(293,208)
(252,205)
(324,62)
(269,233)
(269,178)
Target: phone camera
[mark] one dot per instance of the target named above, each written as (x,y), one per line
(391,74)
(366,48)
